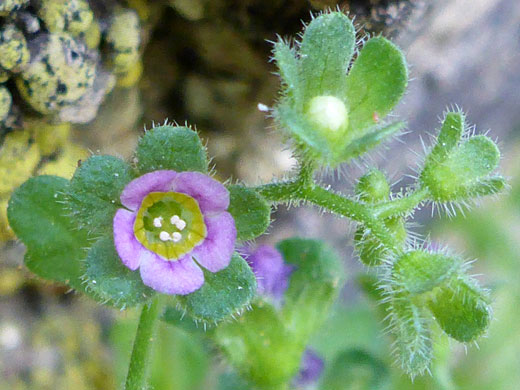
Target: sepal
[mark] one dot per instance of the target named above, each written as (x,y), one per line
(223,295)
(176,148)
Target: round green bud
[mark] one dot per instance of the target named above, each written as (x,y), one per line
(124,39)
(462,310)
(328,113)
(10,6)
(373,187)
(72,16)
(6,101)
(14,53)
(420,271)
(58,75)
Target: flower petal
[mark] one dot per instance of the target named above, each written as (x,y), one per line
(271,272)
(171,277)
(137,189)
(127,246)
(215,252)
(210,194)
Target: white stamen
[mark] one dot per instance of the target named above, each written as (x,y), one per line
(181,224)
(176,237)
(157,222)
(164,236)
(174,220)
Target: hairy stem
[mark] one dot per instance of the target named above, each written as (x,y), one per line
(139,361)
(286,192)
(400,206)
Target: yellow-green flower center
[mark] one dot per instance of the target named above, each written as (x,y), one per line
(169,224)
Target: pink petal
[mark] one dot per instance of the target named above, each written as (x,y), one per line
(215,252)
(211,195)
(137,189)
(128,248)
(171,277)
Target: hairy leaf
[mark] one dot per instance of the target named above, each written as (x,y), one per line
(177,148)
(250,211)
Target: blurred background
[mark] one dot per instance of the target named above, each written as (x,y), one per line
(206,63)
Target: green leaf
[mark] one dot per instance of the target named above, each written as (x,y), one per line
(39,218)
(459,175)
(450,134)
(289,68)
(176,148)
(109,281)
(376,83)
(356,369)
(420,271)
(313,285)
(369,141)
(413,336)
(303,131)
(326,50)
(251,212)
(462,310)
(175,317)
(94,191)
(261,347)
(223,294)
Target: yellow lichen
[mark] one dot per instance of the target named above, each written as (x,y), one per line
(60,74)
(73,16)
(14,53)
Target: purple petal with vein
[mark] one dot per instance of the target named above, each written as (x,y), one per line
(211,195)
(127,246)
(137,189)
(215,252)
(171,277)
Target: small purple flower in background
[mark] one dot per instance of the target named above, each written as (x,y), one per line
(174,222)
(272,274)
(311,369)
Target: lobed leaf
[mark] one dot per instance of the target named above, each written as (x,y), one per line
(375,84)
(260,347)
(251,212)
(458,176)
(313,285)
(38,216)
(420,271)
(223,294)
(107,280)
(177,148)
(289,68)
(326,50)
(94,191)
(462,310)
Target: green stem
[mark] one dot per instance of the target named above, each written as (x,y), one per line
(293,191)
(144,337)
(401,205)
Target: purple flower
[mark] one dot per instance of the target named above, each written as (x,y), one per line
(311,368)
(272,274)
(174,222)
